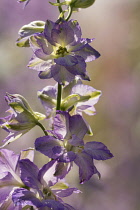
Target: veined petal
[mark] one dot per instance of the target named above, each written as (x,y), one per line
(79,68)
(67,60)
(63,34)
(67,157)
(86,166)
(61,124)
(61,74)
(88,53)
(97,150)
(25,197)
(49,146)
(29,173)
(39,64)
(77,126)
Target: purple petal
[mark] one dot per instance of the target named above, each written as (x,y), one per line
(49,146)
(68,207)
(86,166)
(64,34)
(8,161)
(67,157)
(76,141)
(54,205)
(61,74)
(88,53)
(7,183)
(61,124)
(45,74)
(47,173)
(62,169)
(48,31)
(39,65)
(25,197)
(29,174)
(9,205)
(97,150)
(66,192)
(79,68)
(67,60)
(77,126)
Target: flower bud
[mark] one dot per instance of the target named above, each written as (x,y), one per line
(27,30)
(81,3)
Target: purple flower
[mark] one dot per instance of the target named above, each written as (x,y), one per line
(21,119)
(22,183)
(10,175)
(67,145)
(76,98)
(60,52)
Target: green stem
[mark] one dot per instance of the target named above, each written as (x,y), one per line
(59,7)
(69,13)
(59,93)
(42,127)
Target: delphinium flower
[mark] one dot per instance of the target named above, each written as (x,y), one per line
(21,119)
(66,145)
(10,176)
(60,52)
(76,98)
(22,184)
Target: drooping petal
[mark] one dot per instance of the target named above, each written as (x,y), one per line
(61,74)
(65,192)
(39,64)
(97,150)
(49,146)
(78,126)
(27,154)
(79,68)
(88,53)
(67,60)
(29,173)
(86,166)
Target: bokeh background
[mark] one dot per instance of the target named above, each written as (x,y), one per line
(115,25)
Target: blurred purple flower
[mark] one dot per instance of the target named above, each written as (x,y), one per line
(22,183)
(21,119)
(67,145)
(10,175)
(60,52)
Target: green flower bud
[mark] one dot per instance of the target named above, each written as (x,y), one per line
(27,30)
(21,119)
(81,3)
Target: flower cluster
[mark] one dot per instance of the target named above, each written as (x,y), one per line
(59,52)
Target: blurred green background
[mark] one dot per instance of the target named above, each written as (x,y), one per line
(115,25)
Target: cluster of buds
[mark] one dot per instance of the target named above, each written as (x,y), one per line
(59,52)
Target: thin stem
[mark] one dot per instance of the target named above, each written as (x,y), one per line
(69,13)
(42,127)
(59,7)
(59,93)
